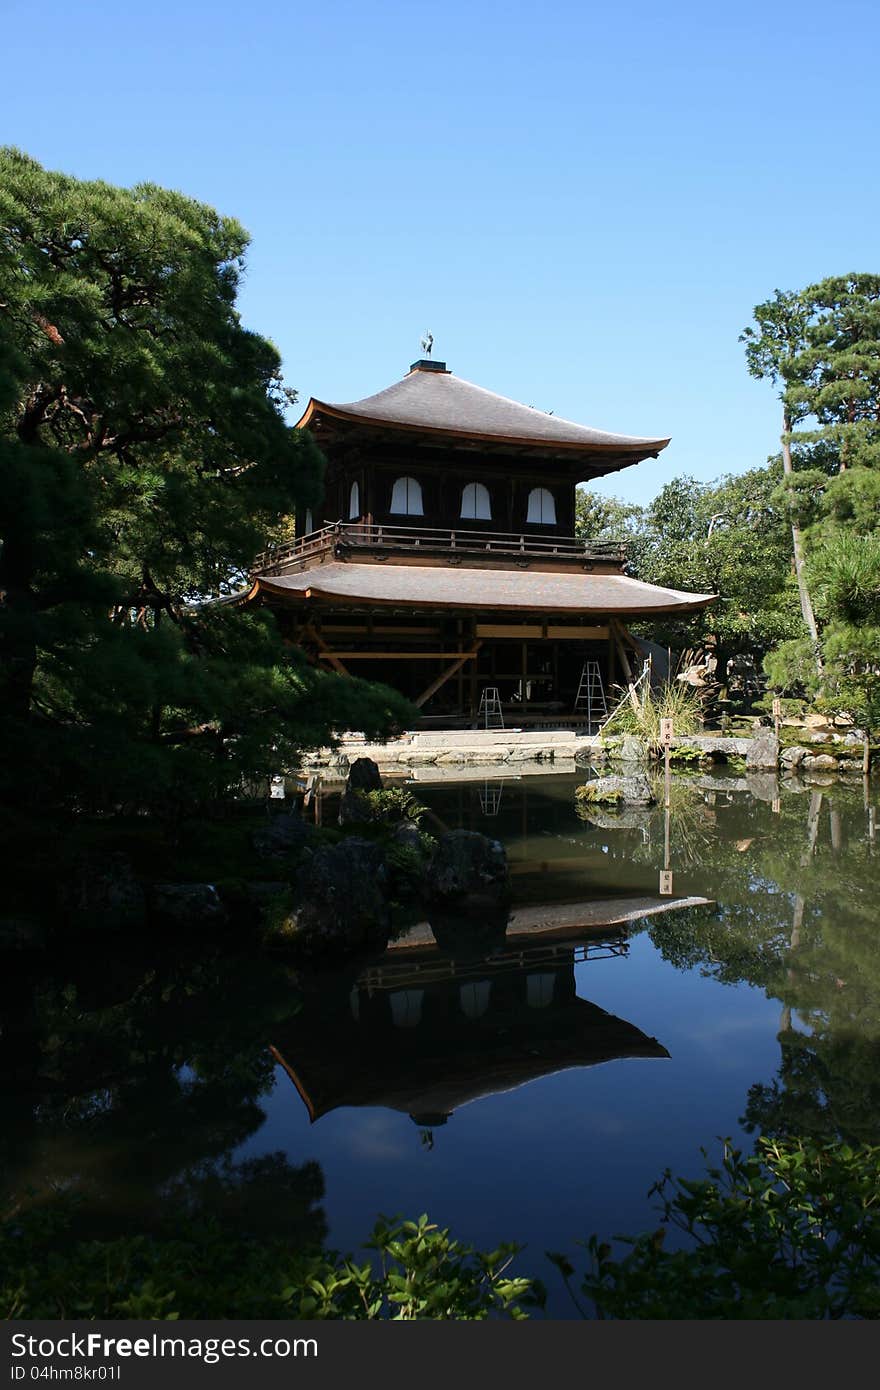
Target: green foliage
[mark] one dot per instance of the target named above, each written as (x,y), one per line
(408,862)
(202,1271)
(821,346)
(730,537)
(592,795)
(144,459)
(600,518)
(683,758)
(845,570)
(792,1231)
(391,805)
(674,700)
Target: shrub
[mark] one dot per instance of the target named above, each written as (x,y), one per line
(676,701)
(202,1271)
(793,1231)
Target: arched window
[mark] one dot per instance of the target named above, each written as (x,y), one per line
(539,990)
(354,502)
(308,527)
(542,507)
(406,498)
(406,1007)
(475,503)
(474,997)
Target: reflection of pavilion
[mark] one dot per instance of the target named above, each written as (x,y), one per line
(424,1034)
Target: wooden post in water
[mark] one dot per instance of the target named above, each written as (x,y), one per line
(666,735)
(777,714)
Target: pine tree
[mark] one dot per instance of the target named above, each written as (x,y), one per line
(823,344)
(144,459)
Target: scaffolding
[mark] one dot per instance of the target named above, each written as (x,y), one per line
(590,698)
(490,714)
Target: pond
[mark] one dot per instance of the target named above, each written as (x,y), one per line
(532,1091)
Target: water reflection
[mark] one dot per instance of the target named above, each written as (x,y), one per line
(425,1032)
(602,1038)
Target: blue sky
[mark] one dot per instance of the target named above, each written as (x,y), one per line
(582,202)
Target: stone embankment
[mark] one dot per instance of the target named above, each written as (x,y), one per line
(826,746)
(454,750)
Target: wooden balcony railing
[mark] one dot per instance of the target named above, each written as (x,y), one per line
(356,535)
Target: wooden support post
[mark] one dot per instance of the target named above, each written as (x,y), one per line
(624,661)
(446,675)
(326,652)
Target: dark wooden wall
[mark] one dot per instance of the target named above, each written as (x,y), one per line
(443,475)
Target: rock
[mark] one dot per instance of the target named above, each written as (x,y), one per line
(815,721)
(794,756)
(589,754)
(607,818)
(465,864)
(717,747)
(408,836)
(529,753)
(340,904)
(476,757)
(364,776)
(187,904)
(819,762)
(794,784)
(843,721)
(632,789)
(708,783)
(763,786)
(631,750)
(102,892)
(820,737)
(282,835)
(855,737)
(763,752)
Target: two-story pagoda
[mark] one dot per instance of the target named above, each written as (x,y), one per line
(443,560)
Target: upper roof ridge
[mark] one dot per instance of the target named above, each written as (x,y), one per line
(430,398)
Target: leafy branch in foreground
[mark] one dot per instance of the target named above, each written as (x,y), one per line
(204,1271)
(792,1231)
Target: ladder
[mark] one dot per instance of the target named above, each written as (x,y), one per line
(490,798)
(490,715)
(590,698)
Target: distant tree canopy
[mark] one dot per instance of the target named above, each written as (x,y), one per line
(793,547)
(144,459)
(730,537)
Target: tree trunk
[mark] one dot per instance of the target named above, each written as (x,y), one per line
(798,547)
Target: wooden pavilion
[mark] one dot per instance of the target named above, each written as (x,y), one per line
(443,560)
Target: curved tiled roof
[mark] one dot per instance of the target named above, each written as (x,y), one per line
(436,401)
(439,586)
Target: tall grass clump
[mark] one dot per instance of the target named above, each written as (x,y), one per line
(673,700)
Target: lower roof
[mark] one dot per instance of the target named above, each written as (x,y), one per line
(436,586)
